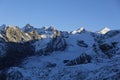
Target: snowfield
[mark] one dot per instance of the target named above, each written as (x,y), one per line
(60,55)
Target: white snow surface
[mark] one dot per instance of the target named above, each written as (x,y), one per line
(104,31)
(78,30)
(38,67)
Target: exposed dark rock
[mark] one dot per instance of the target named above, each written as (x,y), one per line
(55,44)
(109,49)
(64,34)
(105,47)
(2,47)
(65,61)
(15,73)
(82,59)
(28,28)
(58,43)
(82,43)
(51,65)
(3,74)
(34,35)
(114,44)
(15,53)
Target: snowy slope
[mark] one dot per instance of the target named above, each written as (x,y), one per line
(104,30)
(78,30)
(43,68)
(93,56)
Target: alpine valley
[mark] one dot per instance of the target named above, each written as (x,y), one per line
(46,53)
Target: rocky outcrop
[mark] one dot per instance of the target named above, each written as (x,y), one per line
(34,35)
(81,43)
(2,47)
(109,49)
(57,43)
(15,73)
(107,72)
(15,53)
(28,28)
(45,46)
(64,34)
(14,34)
(82,59)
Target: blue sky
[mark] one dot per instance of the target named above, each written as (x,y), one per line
(63,14)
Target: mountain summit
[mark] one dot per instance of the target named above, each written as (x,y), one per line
(27,28)
(104,30)
(78,30)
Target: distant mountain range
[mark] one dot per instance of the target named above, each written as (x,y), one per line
(46,53)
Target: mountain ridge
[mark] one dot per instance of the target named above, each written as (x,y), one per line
(44,32)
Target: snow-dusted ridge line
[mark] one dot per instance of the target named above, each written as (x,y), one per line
(28,28)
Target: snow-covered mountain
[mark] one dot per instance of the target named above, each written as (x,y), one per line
(78,30)
(104,30)
(49,54)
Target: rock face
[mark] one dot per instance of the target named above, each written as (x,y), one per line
(2,47)
(14,34)
(15,53)
(82,59)
(44,47)
(82,43)
(15,73)
(28,28)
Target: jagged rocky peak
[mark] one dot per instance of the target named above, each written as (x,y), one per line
(34,35)
(2,27)
(44,28)
(2,31)
(28,28)
(15,34)
(104,30)
(51,28)
(81,29)
(78,30)
(49,31)
(27,33)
